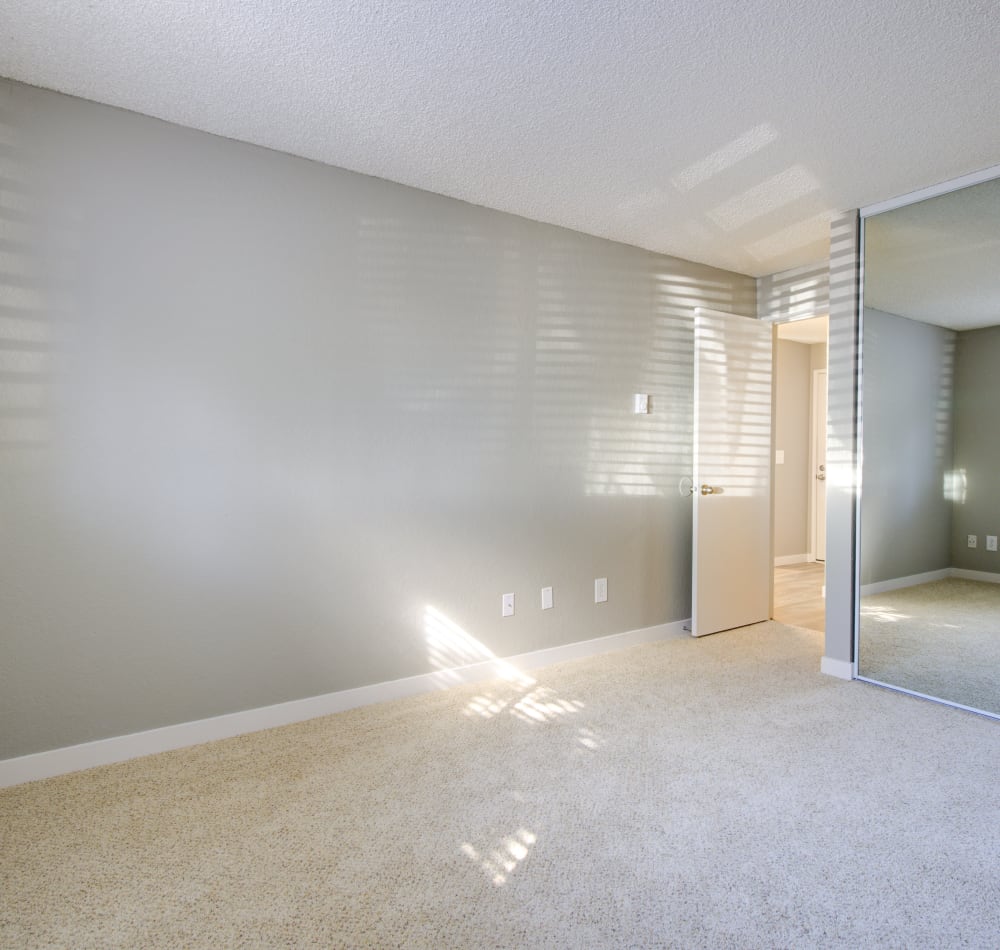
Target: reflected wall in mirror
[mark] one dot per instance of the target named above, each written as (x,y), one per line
(930,594)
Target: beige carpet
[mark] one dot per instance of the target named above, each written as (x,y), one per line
(691,793)
(942,639)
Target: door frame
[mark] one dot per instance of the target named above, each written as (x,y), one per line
(775,322)
(813,460)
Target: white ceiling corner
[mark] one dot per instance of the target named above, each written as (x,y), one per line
(725,133)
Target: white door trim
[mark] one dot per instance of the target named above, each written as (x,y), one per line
(815,426)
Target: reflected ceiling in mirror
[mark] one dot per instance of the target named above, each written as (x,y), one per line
(938,260)
(930,601)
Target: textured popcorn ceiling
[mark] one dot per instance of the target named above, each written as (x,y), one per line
(719,131)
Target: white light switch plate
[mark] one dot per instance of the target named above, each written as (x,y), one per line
(546,598)
(779,456)
(507,605)
(600,590)
(991,542)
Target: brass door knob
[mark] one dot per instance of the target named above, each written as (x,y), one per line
(707,490)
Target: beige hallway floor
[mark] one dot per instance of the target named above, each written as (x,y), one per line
(798,595)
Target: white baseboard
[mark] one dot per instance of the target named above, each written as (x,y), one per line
(966,575)
(787,559)
(28,768)
(897,583)
(842,669)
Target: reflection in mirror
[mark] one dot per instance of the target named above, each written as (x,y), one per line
(930,509)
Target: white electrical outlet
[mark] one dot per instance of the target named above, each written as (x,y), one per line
(507,605)
(972,541)
(546,598)
(600,590)
(991,542)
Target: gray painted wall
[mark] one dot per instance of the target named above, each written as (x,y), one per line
(977,447)
(791,435)
(266,425)
(908,376)
(796,293)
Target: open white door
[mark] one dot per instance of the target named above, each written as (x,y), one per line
(732,457)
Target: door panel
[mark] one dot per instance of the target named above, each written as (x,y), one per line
(732,493)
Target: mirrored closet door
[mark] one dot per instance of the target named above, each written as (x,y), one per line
(929,568)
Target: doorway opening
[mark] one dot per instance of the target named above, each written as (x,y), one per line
(799,508)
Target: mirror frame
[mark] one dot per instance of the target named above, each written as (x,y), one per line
(956,184)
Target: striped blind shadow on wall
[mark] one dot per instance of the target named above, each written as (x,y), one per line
(304,405)
(542,362)
(734,424)
(35,296)
(795,294)
(908,465)
(525,396)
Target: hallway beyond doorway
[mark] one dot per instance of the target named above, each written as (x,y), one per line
(798,595)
